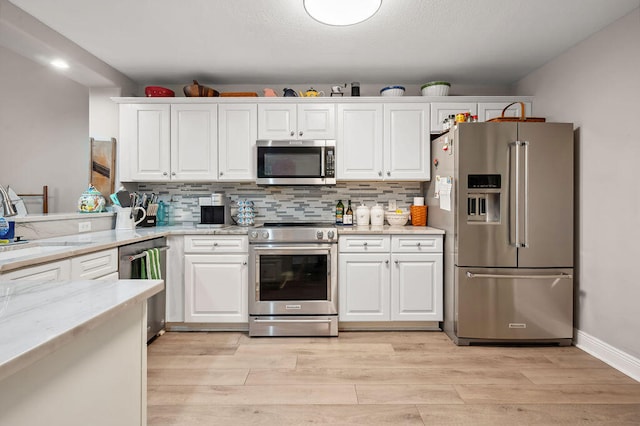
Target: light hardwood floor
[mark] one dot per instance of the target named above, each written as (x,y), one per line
(379,378)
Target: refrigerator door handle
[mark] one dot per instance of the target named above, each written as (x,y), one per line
(514,212)
(528,277)
(525,241)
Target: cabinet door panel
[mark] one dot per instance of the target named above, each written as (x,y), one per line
(145,139)
(416,287)
(359,142)
(363,282)
(316,121)
(238,129)
(489,110)
(277,121)
(194,142)
(439,111)
(407,145)
(216,288)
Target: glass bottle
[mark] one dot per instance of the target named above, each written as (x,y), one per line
(348,215)
(339,212)
(161,217)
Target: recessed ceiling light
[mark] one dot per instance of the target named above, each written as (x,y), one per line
(341,12)
(60,64)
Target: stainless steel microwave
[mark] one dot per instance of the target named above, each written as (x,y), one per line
(296,162)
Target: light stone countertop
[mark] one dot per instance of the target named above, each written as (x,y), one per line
(37,318)
(389,230)
(84,243)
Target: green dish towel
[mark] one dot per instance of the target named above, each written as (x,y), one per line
(152,265)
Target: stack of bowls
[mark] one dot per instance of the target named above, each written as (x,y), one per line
(392,91)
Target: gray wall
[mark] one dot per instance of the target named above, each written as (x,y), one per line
(596,86)
(44,131)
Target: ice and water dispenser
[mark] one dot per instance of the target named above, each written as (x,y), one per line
(483,198)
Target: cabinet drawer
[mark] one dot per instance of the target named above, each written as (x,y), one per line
(364,244)
(216,244)
(53,271)
(94,265)
(416,243)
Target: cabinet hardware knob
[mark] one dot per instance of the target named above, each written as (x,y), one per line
(418,244)
(221,173)
(386,261)
(244,263)
(364,244)
(215,244)
(173,173)
(379,173)
(397,262)
(293,133)
(300,133)
(164,173)
(388,173)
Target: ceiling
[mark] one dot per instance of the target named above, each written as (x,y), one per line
(487,42)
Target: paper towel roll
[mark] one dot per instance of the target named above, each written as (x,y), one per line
(418,201)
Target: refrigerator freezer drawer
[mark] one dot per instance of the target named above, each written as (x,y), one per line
(514,304)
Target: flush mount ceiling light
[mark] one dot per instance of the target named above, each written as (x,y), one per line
(341,12)
(60,64)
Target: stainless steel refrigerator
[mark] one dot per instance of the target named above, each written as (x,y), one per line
(503,192)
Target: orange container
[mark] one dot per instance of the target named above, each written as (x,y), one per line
(418,215)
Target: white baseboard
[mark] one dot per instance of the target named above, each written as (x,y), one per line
(616,358)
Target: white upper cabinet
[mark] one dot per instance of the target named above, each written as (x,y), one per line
(161,142)
(407,144)
(238,131)
(144,148)
(441,110)
(489,110)
(359,142)
(296,121)
(383,142)
(194,142)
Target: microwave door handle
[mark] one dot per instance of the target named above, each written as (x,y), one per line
(323,152)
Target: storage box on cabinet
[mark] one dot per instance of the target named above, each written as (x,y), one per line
(398,279)
(216,279)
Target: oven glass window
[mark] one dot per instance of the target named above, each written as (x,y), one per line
(289,162)
(293,277)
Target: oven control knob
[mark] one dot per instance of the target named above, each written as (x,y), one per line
(254,234)
(319,235)
(265,234)
(330,235)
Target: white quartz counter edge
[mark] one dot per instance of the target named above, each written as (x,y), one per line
(37,318)
(386,229)
(84,243)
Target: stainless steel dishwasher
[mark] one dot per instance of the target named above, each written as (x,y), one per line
(156,305)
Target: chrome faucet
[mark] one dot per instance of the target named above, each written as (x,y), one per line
(9,209)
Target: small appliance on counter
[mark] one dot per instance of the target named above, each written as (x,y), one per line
(215,210)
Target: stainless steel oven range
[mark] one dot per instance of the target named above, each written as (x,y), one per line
(293,285)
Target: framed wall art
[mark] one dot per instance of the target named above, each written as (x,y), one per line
(102,166)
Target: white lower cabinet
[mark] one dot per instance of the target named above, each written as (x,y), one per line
(52,271)
(216,279)
(98,265)
(390,278)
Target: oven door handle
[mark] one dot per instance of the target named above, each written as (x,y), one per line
(280,249)
(297,320)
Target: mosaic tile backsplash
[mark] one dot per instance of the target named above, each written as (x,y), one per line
(284,203)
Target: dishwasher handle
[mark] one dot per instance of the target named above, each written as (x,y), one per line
(142,254)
